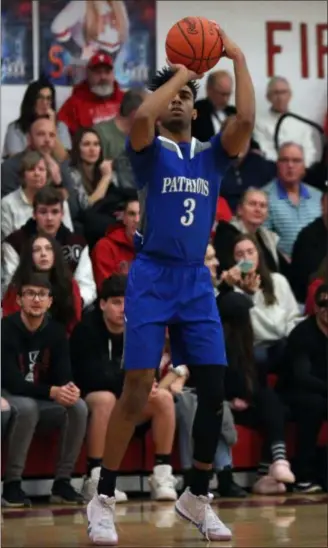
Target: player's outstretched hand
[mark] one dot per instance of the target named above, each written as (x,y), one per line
(231,50)
(191,74)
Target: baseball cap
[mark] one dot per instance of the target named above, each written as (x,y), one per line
(100,58)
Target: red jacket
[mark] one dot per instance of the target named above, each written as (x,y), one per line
(10,305)
(85,109)
(112,254)
(223,213)
(309,304)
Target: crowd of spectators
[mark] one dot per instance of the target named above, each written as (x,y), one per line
(69,216)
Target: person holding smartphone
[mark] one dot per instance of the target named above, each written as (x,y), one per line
(275,311)
(253,403)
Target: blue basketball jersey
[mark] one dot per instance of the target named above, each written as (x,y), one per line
(178,189)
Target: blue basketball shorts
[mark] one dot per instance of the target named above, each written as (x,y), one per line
(180,297)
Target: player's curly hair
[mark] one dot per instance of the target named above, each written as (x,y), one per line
(164,75)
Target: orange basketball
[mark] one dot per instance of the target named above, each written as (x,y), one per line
(195,43)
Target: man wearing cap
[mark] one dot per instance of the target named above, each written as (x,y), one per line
(94,100)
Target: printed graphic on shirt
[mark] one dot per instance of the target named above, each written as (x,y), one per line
(72,253)
(183,184)
(32,361)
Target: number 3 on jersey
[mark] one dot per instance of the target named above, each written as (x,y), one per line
(188,218)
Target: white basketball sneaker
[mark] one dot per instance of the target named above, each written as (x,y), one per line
(198,511)
(90,485)
(101,526)
(162,483)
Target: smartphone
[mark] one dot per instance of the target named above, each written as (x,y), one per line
(245,266)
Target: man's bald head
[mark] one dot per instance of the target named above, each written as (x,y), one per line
(219,88)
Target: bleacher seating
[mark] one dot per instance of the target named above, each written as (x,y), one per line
(139,458)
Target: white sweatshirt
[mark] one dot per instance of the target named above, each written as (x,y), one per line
(291,130)
(274,322)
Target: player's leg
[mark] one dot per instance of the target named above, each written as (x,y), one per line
(127,413)
(201,341)
(208,381)
(147,308)
(161,411)
(191,342)
(100,405)
(194,503)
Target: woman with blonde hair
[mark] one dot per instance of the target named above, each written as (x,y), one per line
(251,214)
(84,27)
(17,206)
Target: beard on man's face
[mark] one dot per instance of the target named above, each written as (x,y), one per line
(103,89)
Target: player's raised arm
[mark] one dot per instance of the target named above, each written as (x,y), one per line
(236,134)
(143,128)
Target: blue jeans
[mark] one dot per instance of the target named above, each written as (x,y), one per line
(223,456)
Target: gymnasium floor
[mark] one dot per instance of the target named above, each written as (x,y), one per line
(295,521)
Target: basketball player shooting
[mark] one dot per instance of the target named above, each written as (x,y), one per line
(168,284)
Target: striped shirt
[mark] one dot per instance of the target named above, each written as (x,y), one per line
(286,218)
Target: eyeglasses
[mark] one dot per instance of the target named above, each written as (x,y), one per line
(41,295)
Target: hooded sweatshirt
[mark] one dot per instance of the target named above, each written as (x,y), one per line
(10,305)
(96,355)
(85,109)
(112,254)
(33,362)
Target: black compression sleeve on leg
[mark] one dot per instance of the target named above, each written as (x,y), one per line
(209,383)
